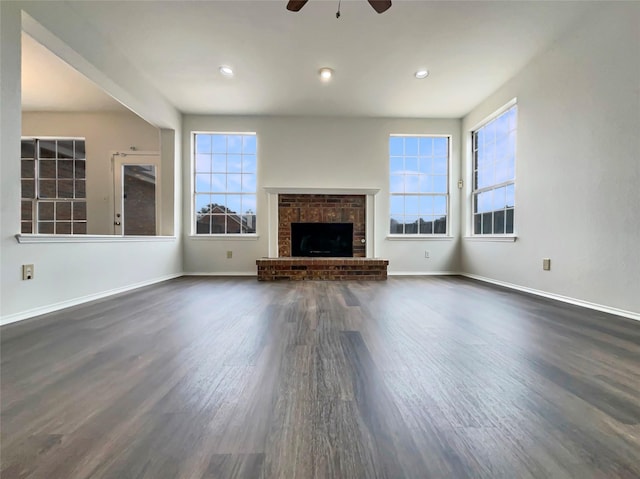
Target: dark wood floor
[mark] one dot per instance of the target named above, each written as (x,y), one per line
(438,377)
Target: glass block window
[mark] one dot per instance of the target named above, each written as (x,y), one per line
(419,184)
(224,183)
(494,159)
(53,185)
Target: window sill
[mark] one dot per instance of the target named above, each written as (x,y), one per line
(490,238)
(230,237)
(419,238)
(31,238)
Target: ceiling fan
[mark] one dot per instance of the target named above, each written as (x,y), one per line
(379,6)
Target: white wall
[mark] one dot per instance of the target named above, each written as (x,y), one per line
(67,272)
(300,152)
(578,167)
(105,132)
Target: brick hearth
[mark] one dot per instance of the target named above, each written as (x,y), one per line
(332,269)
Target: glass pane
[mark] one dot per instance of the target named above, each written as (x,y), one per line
(63,228)
(439,166)
(248,204)
(509,221)
(79,228)
(485,177)
(65,150)
(426,147)
(80,153)
(63,210)
(440,147)
(396,146)
(477,224)
(203,163)
(426,205)
(47,149)
(203,224)
(412,205)
(234,144)
(46,211)
(219,163)
(510,200)
(411,165)
(234,204)
(501,172)
(396,164)
(249,164)
(502,126)
(26,210)
(28,188)
(65,188)
(396,206)
(219,143)
(440,225)
(397,184)
(249,224)
(412,183)
(139,200)
(234,183)
(426,225)
(411,224)
(45,228)
(233,224)
(485,201)
(440,205)
(80,168)
(28,168)
(439,184)
(65,168)
(28,149)
(487,223)
(203,143)
(203,203)
(249,144)
(26,227)
(426,166)
(234,163)
(411,146)
(218,224)
(395,226)
(499,198)
(79,210)
(47,169)
(47,188)
(218,182)
(203,183)
(219,203)
(498,222)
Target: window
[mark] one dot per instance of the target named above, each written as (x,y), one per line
(419,184)
(494,156)
(225,183)
(53,186)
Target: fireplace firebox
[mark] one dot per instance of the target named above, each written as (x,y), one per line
(322,239)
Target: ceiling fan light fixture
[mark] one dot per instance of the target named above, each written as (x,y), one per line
(422,73)
(226,70)
(326,73)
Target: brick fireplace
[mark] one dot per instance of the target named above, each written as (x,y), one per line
(317,207)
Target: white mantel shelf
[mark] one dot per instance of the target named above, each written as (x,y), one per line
(320,191)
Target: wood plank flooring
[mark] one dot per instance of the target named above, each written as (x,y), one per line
(435,377)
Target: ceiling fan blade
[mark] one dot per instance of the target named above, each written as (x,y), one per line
(379,6)
(296,5)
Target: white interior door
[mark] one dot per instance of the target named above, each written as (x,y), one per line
(137,194)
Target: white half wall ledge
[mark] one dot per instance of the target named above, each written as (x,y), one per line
(37,238)
(12,318)
(558,297)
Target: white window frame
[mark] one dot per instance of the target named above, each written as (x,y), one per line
(472,180)
(194,234)
(447,195)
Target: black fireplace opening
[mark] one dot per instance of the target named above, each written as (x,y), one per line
(322,239)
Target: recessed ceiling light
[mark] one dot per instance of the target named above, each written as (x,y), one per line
(423,73)
(326,74)
(226,70)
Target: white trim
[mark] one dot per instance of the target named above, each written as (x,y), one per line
(224,237)
(223,273)
(558,297)
(492,238)
(423,273)
(494,115)
(12,318)
(38,238)
(416,237)
(320,191)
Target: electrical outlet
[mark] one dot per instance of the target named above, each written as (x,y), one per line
(27,271)
(546,264)
(229,254)
(427,255)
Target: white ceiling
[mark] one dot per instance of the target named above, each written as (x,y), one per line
(470,49)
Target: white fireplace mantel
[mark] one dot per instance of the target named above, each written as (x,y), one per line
(272,206)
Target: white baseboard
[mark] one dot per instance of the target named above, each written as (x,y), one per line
(422,273)
(12,318)
(220,273)
(558,297)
